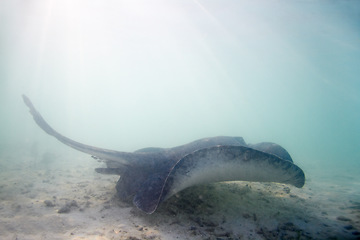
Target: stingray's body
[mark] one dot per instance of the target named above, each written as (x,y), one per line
(151,175)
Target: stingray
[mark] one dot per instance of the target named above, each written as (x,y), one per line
(152,175)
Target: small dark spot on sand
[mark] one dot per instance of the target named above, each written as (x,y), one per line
(132,238)
(64,209)
(49,203)
(287,190)
(344,219)
(348,227)
(67,207)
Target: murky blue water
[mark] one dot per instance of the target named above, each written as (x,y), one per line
(130,74)
(126,75)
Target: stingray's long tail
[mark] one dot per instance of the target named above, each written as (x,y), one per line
(113,158)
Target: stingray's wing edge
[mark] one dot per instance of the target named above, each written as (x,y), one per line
(187,172)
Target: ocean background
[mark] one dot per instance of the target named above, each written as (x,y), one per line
(125,75)
(130,74)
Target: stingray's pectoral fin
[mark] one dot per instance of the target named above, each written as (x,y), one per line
(217,164)
(272,148)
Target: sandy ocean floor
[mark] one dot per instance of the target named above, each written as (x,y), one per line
(60,196)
